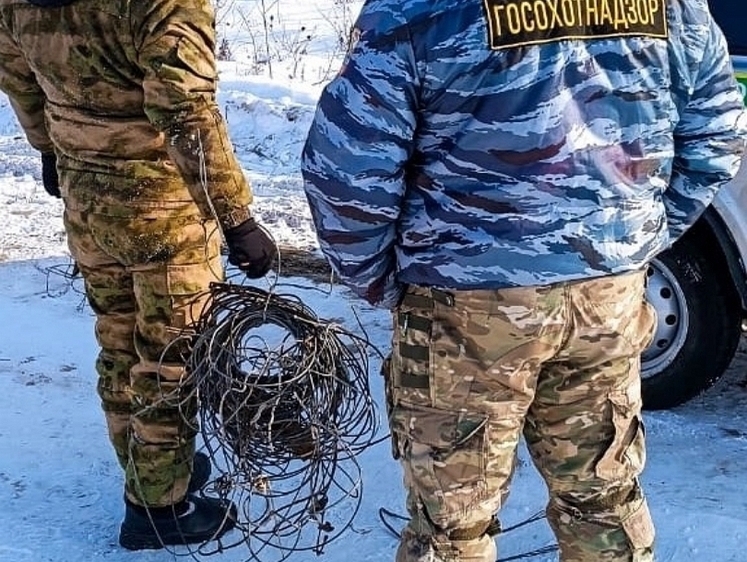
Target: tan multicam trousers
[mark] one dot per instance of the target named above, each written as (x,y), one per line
(471,371)
(146,278)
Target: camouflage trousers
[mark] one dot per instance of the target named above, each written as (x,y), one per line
(471,371)
(145,279)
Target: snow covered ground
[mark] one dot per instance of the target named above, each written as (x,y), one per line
(60,486)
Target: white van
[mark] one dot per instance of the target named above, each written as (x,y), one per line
(699,286)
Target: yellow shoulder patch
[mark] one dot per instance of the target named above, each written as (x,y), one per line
(513,23)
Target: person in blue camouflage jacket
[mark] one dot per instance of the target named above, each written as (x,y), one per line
(499,173)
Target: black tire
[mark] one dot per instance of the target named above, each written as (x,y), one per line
(698,325)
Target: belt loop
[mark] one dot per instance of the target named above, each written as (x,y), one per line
(442,297)
(418,301)
(404,321)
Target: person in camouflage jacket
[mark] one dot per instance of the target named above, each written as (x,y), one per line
(499,173)
(119,97)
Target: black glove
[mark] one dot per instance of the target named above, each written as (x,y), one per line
(250,248)
(49,174)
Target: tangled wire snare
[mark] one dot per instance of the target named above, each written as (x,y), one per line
(285,407)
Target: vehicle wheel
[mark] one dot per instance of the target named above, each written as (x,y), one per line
(698,325)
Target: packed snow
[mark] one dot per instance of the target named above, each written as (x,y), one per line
(60,485)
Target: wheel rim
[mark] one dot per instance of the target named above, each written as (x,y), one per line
(664,293)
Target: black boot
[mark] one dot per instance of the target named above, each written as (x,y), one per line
(194,520)
(201,469)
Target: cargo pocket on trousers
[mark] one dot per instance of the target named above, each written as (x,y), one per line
(171,297)
(640,530)
(626,455)
(444,457)
(188,287)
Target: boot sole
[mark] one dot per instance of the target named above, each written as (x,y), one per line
(137,541)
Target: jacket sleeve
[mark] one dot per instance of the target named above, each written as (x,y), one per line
(26,97)
(175,41)
(709,136)
(354,159)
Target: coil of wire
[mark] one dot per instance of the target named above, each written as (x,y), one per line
(285,408)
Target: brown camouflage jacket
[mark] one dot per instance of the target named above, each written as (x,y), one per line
(125,90)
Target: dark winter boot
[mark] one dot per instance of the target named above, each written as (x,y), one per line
(192,521)
(201,469)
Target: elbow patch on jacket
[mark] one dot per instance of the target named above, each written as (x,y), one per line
(199,60)
(183,62)
(515,23)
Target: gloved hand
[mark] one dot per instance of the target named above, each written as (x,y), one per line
(50,180)
(250,248)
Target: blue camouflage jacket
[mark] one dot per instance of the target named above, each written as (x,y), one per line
(481,144)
